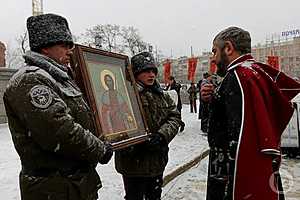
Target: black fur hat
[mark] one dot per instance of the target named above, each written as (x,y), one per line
(46,30)
(143,61)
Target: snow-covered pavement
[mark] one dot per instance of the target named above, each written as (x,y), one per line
(185,146)
(188,186)
(290,174)
(192,184)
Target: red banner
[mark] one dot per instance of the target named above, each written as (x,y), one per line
(273,61)
(192,64)
(167,70)
(212,67)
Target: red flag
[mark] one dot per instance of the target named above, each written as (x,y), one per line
(167,70)
(192,64)
(212,67)
(273,61)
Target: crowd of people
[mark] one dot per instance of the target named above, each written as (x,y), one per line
(52,127)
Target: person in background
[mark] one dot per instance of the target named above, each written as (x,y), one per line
(173,85)
(49,120)
(193,97)
(249,110)
(142,165)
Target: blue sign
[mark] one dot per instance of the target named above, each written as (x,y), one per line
(290,33)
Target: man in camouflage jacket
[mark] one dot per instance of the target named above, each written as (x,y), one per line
(142,165)
(50,122)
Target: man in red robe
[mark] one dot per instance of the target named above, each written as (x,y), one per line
(248,112)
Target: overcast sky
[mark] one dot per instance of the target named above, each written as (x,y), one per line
(171,25)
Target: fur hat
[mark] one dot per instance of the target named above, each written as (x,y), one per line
(46,30)
(143,61)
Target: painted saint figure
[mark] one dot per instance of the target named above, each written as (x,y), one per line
(115,113)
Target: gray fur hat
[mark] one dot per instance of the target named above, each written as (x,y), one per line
(46,30)
(143,61)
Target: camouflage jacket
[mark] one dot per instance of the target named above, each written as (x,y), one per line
(51,127)
(163,118)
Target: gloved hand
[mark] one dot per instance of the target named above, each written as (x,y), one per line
(157,140)
(182,127)
(108,152)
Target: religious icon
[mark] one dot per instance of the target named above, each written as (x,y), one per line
(115,110)
(109,86)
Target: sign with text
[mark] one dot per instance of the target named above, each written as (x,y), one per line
(291,33)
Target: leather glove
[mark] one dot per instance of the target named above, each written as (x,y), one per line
(108,152)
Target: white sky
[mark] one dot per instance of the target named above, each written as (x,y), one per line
(171,25)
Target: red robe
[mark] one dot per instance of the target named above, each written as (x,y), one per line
(266,112)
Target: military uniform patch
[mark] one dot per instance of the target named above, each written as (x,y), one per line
(41,96)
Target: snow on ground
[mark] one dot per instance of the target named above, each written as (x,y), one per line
(290,174)
(185,146)
(188,186)
(192,184)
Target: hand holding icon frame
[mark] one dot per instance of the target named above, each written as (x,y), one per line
(107,81)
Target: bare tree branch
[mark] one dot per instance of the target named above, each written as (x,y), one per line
(106,37)
(23,40)
(115,39)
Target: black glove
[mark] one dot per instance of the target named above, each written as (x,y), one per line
(157,140)
(108,152)
(182,127)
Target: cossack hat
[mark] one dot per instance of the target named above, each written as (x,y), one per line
(46,30)
(143,61)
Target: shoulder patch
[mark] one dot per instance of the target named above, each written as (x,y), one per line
(41,96)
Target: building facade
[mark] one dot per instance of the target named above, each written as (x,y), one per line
(288,51)
(179,68)
(2,54)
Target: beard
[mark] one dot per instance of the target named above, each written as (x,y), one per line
(222,64)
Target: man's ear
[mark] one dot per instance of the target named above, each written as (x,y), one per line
(229,48)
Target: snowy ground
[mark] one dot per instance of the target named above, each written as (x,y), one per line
(192,184)
(188,186)
(185,146)
(290,174)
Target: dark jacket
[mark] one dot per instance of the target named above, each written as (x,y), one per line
(162,118)
(51,127)
(223,134)
(192,93)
